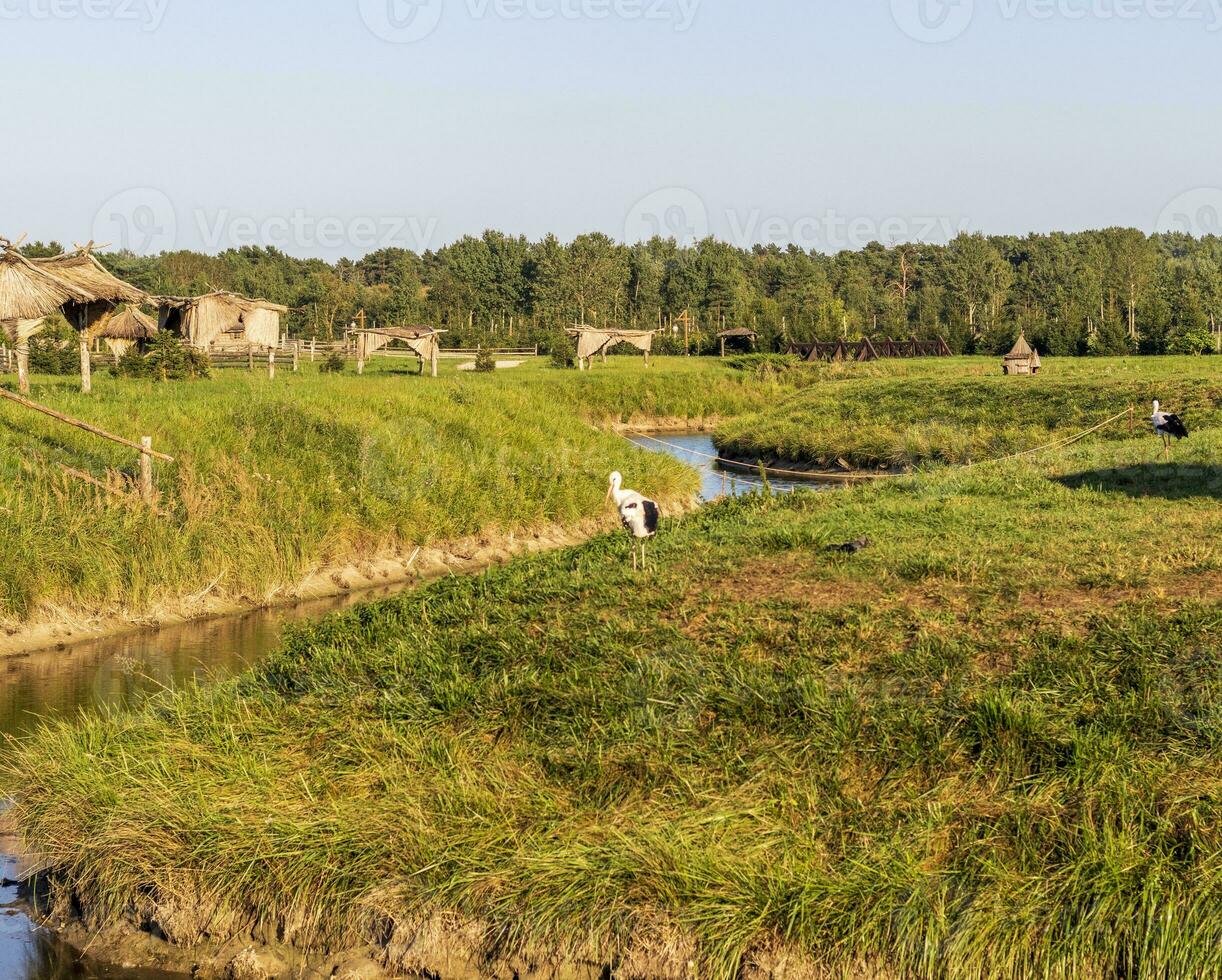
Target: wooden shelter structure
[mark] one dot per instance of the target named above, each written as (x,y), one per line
(1023,359)
(424,341)
(737,333)
(29,293)
(938,347)
(593,341)
(103,291)
(835,350)
(125,329)
(221,319)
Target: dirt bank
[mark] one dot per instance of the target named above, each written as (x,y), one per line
(56,627)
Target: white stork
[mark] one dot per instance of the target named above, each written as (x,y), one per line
(1168,426)
(639,514)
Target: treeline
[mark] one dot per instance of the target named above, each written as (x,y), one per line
(1107,292)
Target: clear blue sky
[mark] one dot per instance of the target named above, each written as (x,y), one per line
(242,117)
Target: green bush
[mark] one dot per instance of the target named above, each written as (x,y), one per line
(564,353)
(166,358)
(334,364)
(1197,341)
(50,356)
(485,361)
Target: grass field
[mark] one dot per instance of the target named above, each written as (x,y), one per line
(905,413)
(987,746)
(273,479)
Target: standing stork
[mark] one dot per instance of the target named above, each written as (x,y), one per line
(1168,426)
(640,515)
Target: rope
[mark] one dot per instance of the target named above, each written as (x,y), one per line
(802,474)
(810,475)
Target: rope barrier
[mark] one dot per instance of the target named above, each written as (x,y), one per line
(801,474)
(812,475)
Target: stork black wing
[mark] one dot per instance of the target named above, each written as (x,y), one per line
(653,517)
(1173,425)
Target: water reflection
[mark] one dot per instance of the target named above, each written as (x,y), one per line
(715,481)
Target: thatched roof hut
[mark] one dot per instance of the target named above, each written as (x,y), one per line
(126,328)
(1023,359)
(425,342)
(737,333)
(29,291)
(103,290)
(221,318)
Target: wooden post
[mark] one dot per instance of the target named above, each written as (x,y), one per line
(23,366)
(313,344)
(296,355)
(86,367)
(723,348)
(360,353)
(146,469)
(271,364)
(436,356)
(646,358)
(250,357)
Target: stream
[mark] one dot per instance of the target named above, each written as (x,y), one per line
(111,671)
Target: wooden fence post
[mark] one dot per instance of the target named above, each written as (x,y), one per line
(23,366)
(436,357)
(271,364)
(86,367)
(250,357)
(313,344)
(146,469)
(296,355)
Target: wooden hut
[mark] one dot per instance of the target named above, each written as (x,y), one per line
(593,341)
(102,290)
(29,293)
(1023,359)
(424,342)
(221,319)
(125,329)
(738,333)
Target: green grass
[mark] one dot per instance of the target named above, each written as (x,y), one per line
(988,746)
(905,413)
(273,479)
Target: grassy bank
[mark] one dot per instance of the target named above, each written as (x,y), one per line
(987,746)
(274,479)
(903,413)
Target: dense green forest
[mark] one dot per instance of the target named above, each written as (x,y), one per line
(1103,292)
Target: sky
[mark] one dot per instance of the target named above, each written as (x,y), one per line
(331,128)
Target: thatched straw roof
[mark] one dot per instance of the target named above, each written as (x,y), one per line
(401,333)
(738,332)
(128,324)
(29,291)
(82,270)
(220,296)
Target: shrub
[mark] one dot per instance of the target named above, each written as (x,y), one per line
(334,363)
(564,353)
(50,356)
(167,358)
(484,361)
(1196,341)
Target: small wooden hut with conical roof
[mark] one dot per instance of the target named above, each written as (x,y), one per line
(124,330)
(1023,359)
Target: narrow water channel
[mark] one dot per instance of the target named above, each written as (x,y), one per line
(113,671)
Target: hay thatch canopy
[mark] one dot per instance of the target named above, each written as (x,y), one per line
(401,333)
(245,303)
(29,291)
(129,324)
(738,332)
(87,274)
